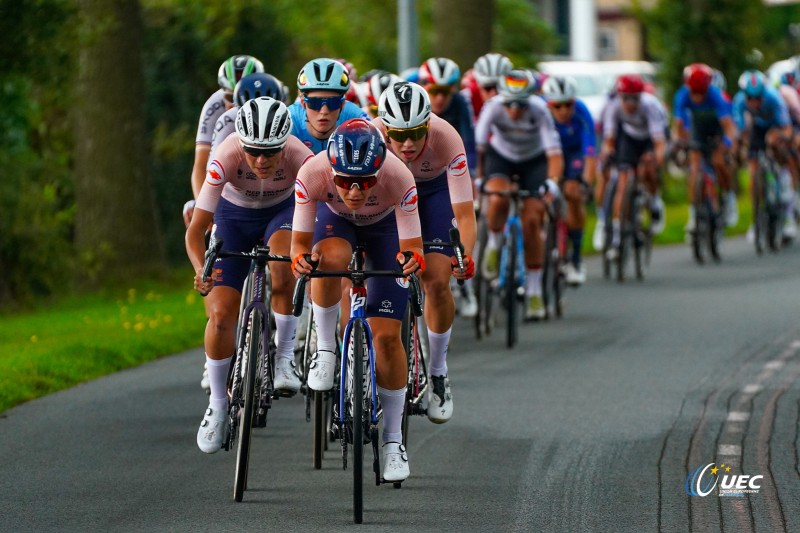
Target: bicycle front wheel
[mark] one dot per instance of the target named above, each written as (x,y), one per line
(247,414)
(511,300)
(357,345)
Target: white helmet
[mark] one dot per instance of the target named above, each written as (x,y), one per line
(404,105)
(439,71)
(516,85)
(379,82)
(263,123)
(488,68)
(559,88)
(235,68)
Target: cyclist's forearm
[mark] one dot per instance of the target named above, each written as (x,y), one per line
(589,169)
(195,237)
(301,242)
(555,166)
(467,226)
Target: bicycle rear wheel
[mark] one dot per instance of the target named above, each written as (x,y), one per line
(247,414)
(550,270)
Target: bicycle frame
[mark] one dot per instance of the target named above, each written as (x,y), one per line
(515,221)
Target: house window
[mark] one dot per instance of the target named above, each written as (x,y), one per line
(606,44)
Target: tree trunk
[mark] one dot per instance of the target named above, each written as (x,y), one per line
(116,230)
(465,30)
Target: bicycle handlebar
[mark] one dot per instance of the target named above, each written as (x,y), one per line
(258,252)
(300,287)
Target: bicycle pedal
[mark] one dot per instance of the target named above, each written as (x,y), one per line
(283,393)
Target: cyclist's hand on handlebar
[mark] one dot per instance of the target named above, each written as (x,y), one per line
(411,262)
(469,268)
(304,264)
(204,287)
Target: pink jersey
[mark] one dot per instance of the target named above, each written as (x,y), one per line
(792,99)
(443,152)
(395,191)
(229,176)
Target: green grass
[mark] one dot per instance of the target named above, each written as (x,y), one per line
(81,338)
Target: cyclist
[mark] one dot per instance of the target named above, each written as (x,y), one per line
(248,88)
(634,129)
(788,91)
(480,83)
(576,129)
(376,83)
(230,72)
(433,151)
(323,84)
(357,192)
(516,136)
(440,76)
(703,122)
(769,124)
(249,193)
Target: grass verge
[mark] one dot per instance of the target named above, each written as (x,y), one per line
(81,338)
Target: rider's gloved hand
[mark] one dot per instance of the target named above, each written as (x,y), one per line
(304,263)
(469,267)
(411,262)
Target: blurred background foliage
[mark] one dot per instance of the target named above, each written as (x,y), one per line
(184,43)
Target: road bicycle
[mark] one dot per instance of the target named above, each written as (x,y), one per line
(415,347)
(356,410)
(709,209)
(768,210)
(509,285)
(636,233)
(555,258)
(251,379)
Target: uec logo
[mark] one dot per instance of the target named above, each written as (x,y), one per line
(702,482)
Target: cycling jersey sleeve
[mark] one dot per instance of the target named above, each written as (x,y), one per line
(225,125)
(611,119)
(680,104)
(212,110)
(739,109)
(588,137)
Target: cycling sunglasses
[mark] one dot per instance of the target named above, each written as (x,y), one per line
(373,109)
(228,97)
(516,104)
(561,105)
(634,98)
(316,103)
(489,87)
(363,183)
(414,134)
(433,90)
(257,152)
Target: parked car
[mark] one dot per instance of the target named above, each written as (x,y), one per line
(596,78)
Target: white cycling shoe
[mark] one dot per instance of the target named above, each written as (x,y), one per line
(213,430)
(322,370)
(395,462)
(440,400)
(285,378)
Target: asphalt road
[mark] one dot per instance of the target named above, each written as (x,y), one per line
(592,424)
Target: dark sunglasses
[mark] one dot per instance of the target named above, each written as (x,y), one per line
(348,182)
(228,97)
(316,103)
(630,98)
(515,105)
(489,87)
(561,105)
(257,152)
(373,109)
(414,134)
(753,98)
(438,89)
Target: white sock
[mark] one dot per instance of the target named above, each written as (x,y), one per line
(218,378)
(285,326)
(326,319)
(392,402)
(438,344)
(533,282)
(494,240)
(615,225)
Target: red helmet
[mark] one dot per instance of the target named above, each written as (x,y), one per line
(630,84)
(697,77)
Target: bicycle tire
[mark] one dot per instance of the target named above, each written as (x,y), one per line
(482,286)
(248,412)
(407,337)
(357,345)
(510,294)
(319,428)
(549,271)
(559,262)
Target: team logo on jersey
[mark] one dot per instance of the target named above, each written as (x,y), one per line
(459,165)
(409,201)
(301,193)
(214,174)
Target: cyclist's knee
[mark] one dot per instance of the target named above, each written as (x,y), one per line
(333,255)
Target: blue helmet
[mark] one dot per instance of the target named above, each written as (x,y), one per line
(255,85)
(323,74)
(789,78)
(356,148)
(752,83)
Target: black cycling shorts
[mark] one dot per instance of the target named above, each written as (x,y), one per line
(630,150)
(532,172)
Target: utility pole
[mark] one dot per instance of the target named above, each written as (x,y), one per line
(407,38)
(583,30)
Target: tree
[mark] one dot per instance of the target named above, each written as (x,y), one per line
(463,30)
(116,231)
